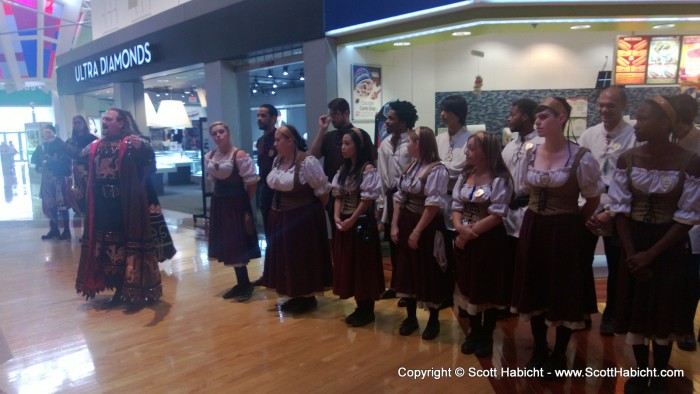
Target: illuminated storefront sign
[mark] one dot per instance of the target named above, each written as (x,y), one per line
(125,59)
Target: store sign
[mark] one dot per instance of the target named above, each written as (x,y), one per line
(631,60)
(663,60)
(690,61)
(366,92)
(125,59)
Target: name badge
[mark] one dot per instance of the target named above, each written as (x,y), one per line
(271,153)
(479,193)
(666,181)
(528,146)
(616,146)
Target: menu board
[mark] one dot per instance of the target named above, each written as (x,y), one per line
(631,60)
(663,60)
(690,60)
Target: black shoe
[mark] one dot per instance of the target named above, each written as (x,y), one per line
(484,347)
(349,318)
(290,305)
(408,326)
(361,319)
(658,385)
(234,292)
(539,357)
(51,235)
(555,362)
(305,304)
(113,302)
(388,294)
(402,302)
(65,235)
(469,345)
(607,327)
(636,385)
(687,343)
(245,293)
(448,303)
(431,330)
(257,282)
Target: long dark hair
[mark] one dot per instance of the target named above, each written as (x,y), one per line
(75,133)
(491,145)
(364,156)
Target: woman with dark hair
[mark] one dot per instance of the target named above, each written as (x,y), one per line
(80,138)
(483,263)
(357,260)
(298,258)
(418,229)
(655,194)
(233,238)
(553,283)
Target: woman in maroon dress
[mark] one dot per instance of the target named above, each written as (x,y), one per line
(357,260)
(418,229)
(233,238)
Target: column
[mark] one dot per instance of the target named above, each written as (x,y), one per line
(320,86)
(129,96)
(228,100)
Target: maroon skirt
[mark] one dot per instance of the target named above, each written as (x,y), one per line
(357,262)
(298,257)
(484,268)
(418,273)
(232,235)
(653,308)
(551,271)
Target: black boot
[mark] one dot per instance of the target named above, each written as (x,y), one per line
(53,231)
(66,225)
(410,323)
(539,334)
(364,314)
(432,329)
(484,347)
(475,329)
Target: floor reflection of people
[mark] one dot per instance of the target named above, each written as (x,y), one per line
(7,156)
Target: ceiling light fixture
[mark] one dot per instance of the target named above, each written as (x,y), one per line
(580,27)
(301,76)
(285,72)
(402,44)
(462,33)
(664,26)
(269,73)
(273,93)
(274,84)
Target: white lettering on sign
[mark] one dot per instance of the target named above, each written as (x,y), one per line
(135,56)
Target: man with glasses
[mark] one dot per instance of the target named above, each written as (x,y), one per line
(521,121)
(327,144)
(607,141)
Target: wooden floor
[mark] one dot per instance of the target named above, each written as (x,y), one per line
(51,340)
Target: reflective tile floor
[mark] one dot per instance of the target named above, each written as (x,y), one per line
(51,340)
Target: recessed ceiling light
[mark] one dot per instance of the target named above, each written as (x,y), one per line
(402,44)
(664,26)
(462,33)
(580,27)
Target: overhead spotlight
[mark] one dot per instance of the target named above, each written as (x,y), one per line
(167,93)
(273,92)
(461,33)
(664,26)
(274,84)
(269,73)
(253,90)
(284,71)
(402,44)
(157,94)
(301,76)
(580,27)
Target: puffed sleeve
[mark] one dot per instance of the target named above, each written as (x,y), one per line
(335,186)
(689,204)
(371,185)
(246,169)
(436,186)
(311,173)
(457,203)
(619,192)
(588,176)
(501,193)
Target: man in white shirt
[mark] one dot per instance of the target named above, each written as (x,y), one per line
(607,141)
(689,138)
(521,121)
(453,113)
(392,157)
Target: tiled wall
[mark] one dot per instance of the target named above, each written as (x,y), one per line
(493,107)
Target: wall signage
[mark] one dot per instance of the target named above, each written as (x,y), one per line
(135,56)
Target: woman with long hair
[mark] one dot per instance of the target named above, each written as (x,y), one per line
(418,229)
(655,194)
(80,138)
(357,261)
(298,258)
(233,238)
(483,264)
(553,283)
